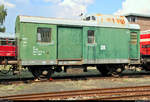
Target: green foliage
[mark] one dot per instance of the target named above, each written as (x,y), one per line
(2,29)
(3,14)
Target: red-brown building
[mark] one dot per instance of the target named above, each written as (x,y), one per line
(141,19)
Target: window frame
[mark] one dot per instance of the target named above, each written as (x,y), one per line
(132,19)
(88,18)
(91,38)
(44,39)
(93,18)
(7,42)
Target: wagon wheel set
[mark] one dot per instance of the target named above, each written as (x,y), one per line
(41,73)
(110,70)
(46,73)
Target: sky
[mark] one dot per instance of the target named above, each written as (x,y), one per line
(70,8)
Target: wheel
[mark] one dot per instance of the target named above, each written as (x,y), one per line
(110,70)
(103,70)
(49,74)
(116,70)
(41,73)
(146,67)
(35,72)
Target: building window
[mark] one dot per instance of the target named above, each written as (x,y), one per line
(91,37)
(133,38)
(132,19)
(44,34)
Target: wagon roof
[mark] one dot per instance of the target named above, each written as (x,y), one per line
(113,21)
(7,35)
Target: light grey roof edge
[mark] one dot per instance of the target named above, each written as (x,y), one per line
(61,21)
(137,14)
(134,26)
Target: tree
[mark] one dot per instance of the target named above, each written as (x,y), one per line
(3,14)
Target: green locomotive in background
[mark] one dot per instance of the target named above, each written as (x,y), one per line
(45,45)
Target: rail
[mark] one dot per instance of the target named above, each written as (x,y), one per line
(92,94)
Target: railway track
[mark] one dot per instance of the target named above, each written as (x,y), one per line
(93,94)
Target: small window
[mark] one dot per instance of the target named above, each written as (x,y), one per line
(91,37)
(44,35)
(87,18)
(132,19)
(145,46)
(93,18)
(134,38)
(7,42)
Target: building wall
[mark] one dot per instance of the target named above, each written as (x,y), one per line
(144,23)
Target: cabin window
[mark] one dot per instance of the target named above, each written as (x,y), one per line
(93,18)
(145,46)
(91,37)
(87,18)
(133,38)
(7,42)
(44,35)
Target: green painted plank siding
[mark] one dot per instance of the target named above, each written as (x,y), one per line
(110,43)
(72,43)
(135,48)
(30,49)
(69,43)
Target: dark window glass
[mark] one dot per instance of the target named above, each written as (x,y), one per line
(6,41)
(91,37)
(128,18)
(87,18)
(93,18)
(44,34)
(132,19)
(145,46)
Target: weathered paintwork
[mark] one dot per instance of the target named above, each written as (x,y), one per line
(134,48)
(69,45)
(117,22)
(31,51)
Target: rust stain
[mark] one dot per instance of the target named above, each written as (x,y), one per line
(113,20)
(122,21)
(97,19)
(102,20)
(108,20)
(121,16)
(98,14)
(118,21)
